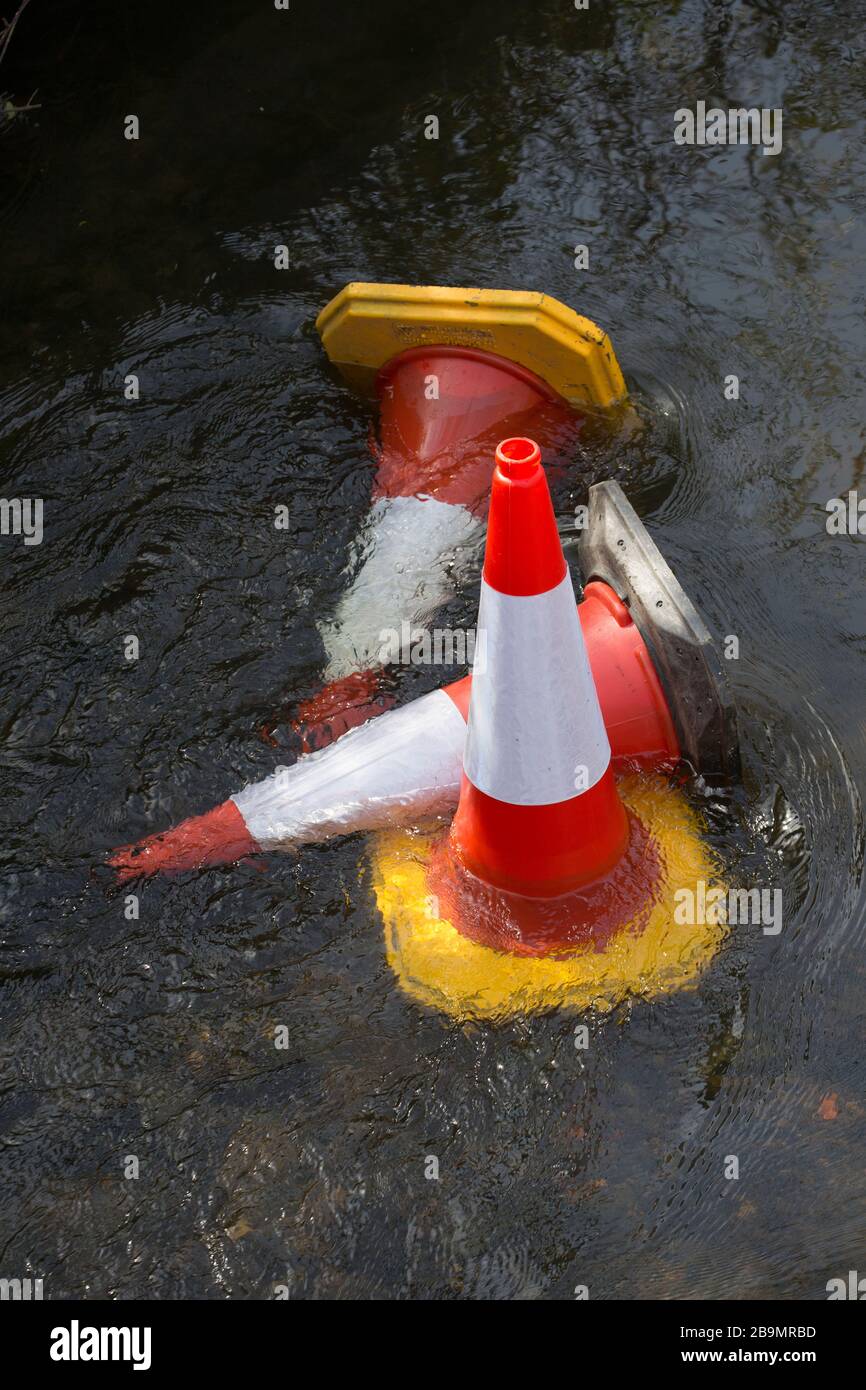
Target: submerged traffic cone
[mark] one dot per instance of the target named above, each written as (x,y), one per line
(408,762)
(442,411)
(395,769)
(455,370)
(548,888)
(539,818)
(539,813)
(220,836)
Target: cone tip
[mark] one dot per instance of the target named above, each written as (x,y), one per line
(518,457)
(219,836)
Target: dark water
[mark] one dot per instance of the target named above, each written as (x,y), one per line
(154,1037)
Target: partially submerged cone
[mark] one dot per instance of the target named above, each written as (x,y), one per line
(220,836)
(455,369)
(542,853)
(408,762)
(544,863)
(445,969)
(442,409)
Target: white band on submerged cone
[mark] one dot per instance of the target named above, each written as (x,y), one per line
(533,684)
(401,766)
(405,560)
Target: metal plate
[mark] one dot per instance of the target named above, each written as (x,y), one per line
(617,548)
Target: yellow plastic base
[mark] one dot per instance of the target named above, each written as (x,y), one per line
(438,966)
(364,326)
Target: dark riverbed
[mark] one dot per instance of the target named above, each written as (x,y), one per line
(153,1037)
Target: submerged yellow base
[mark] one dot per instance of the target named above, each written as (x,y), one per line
(438,966)
(365,325)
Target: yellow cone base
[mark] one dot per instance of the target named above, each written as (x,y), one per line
(439,967)
(365,325)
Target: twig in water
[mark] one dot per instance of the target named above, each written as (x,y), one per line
(8,28)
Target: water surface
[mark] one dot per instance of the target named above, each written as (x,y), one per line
(154,1037)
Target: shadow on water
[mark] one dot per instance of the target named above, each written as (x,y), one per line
(153,1037)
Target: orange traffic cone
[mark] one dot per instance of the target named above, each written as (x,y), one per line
(539,813)
(442,411)
(456,369)
(539,817)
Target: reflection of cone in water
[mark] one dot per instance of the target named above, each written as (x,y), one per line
(442,410)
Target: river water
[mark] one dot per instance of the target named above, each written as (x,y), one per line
(304,1169)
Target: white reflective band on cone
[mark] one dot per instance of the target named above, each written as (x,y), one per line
(403,765)
(406,557)
(546,749)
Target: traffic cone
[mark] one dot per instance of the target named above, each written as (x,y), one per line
(539,813)
(408,762)
(442,410)
(455,369)
(402,766)
(220,836)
